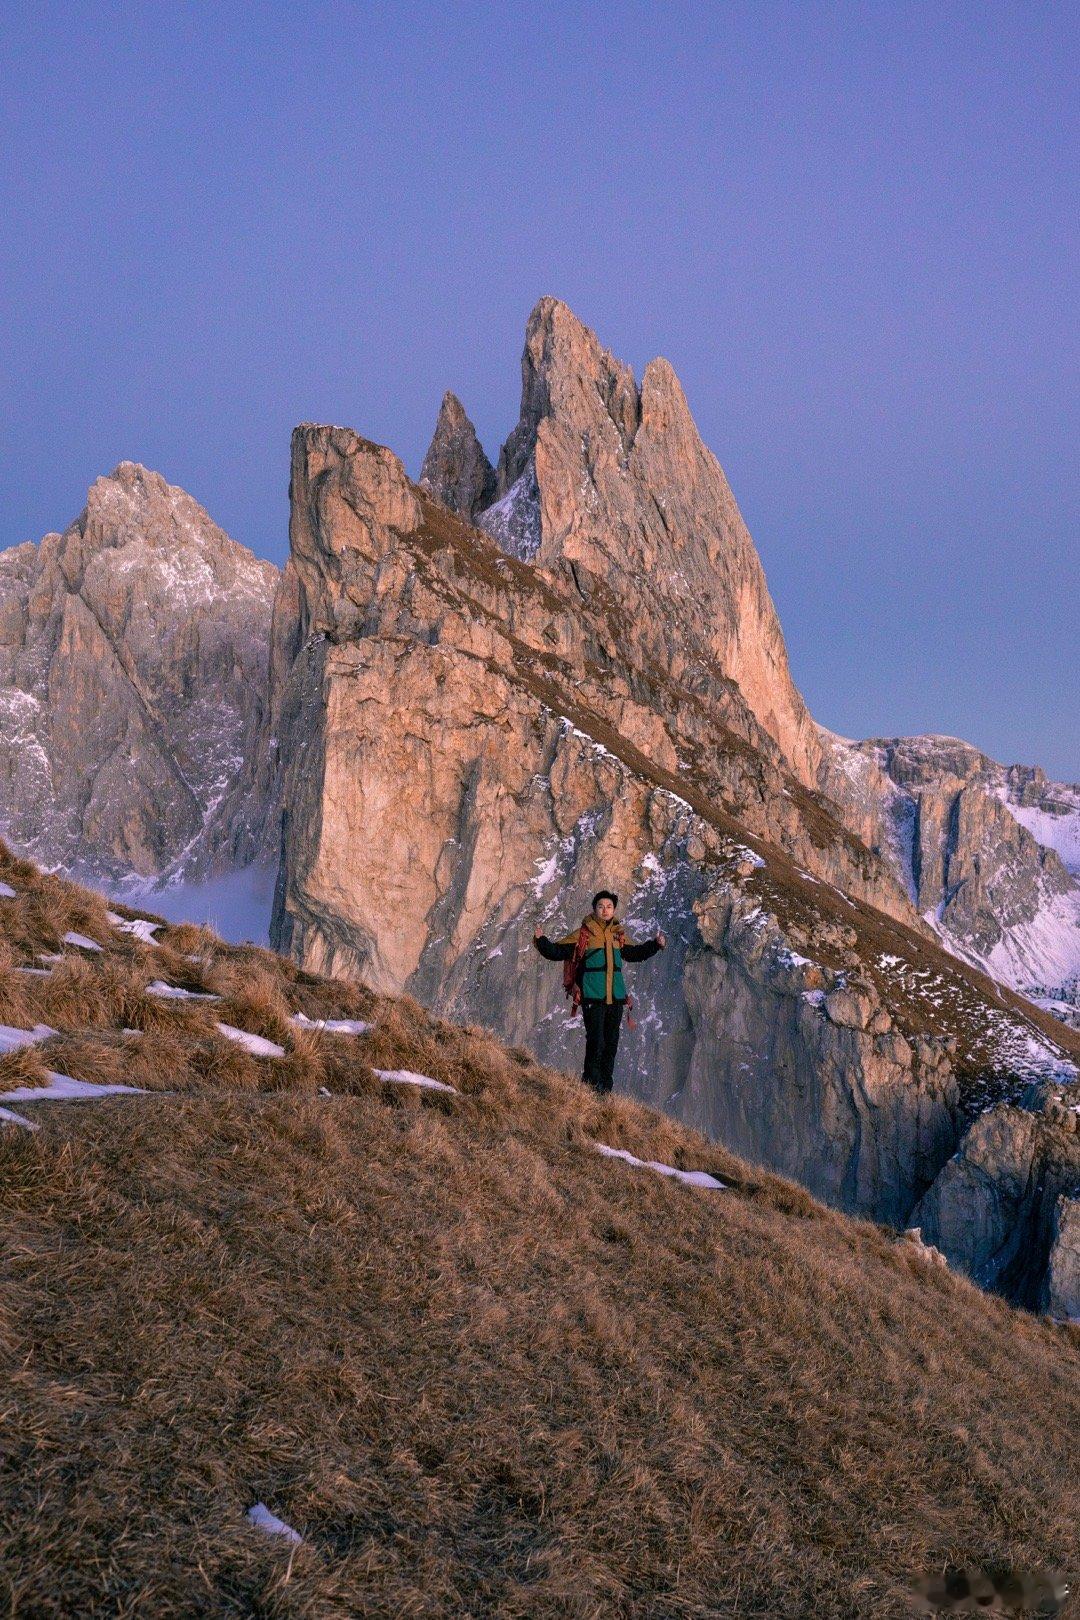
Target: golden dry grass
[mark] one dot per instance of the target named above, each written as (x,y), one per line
(482,1369)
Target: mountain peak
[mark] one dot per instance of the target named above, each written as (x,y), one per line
(456,471)
(613,486)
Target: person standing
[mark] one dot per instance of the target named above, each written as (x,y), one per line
(593,958)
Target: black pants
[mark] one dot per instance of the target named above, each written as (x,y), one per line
(601,1042)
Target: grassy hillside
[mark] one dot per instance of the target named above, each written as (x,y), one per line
(482,1369)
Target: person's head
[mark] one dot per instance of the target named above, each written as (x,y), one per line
(603,904)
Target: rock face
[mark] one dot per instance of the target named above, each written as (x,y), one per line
(990,854)
(456,470)
(1062,1292)
(1004,1208)
(627,492)
(133,664)
(471,743)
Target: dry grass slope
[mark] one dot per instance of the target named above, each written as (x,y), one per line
(482,1369)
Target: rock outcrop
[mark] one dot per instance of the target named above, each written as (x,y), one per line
(628,495)
(989,854)
(463,753)
(456,471)
(1061,1296)
(484,696)
(133,666)
(1004,1207)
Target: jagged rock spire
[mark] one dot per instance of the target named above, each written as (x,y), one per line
(456,471)
(611,484)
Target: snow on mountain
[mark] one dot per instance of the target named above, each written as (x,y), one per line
(133,673)
(989,853)
(514,521)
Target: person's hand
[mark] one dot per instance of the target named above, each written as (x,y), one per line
(538,932)
(661,941)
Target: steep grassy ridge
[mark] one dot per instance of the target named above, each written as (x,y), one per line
(480,1368)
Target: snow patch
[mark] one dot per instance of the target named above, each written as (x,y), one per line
(7,892)
(81,940)
(514,521)
(405,1077)
(63,1088)
(1059,832)
(261,1517)
(257,1045)
(548,870)
(332,1026)
(140,928)
(11,1038)
(172,992)
(692,1178)
(10,1117)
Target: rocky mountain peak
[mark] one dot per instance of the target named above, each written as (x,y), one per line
(566,373)
(133,661)
(611,486)
(456,471)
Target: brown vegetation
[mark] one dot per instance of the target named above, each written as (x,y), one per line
(482,1370)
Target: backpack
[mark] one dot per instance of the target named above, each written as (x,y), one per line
(571,969)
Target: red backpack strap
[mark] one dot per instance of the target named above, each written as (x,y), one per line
(570,969)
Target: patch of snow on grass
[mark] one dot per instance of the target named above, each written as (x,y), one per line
(10,1117)
(405,1077)
(11,1038)
(1030,1055)
(7,892)
(262,1518)
(140,928)
(172,992)
(63,1088)
(332,1026)
(84,944)
(692,1178)
(257,1045)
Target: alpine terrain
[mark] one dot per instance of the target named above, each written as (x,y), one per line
(317,1304)
(476,698)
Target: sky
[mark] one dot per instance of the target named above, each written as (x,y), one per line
(850,227)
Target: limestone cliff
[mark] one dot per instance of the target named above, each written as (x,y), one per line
(469,743)
(628,495)
(133,660)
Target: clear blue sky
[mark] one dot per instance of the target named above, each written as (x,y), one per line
(851,228)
